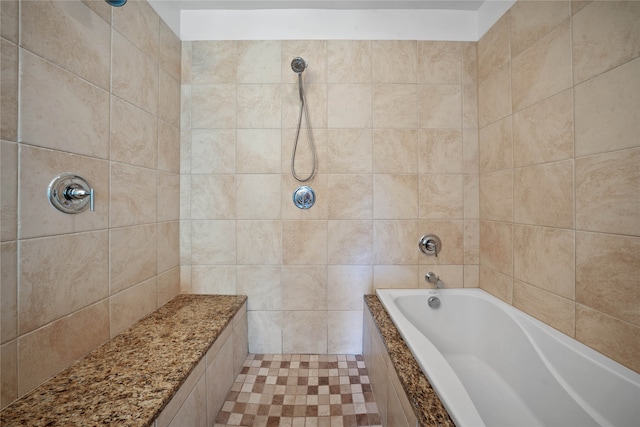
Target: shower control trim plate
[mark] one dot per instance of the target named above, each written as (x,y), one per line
(70,193)
(304,197)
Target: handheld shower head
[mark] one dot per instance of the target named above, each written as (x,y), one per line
(298,65)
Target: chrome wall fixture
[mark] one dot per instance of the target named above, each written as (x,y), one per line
(430,244)
(70,193)
(304,197)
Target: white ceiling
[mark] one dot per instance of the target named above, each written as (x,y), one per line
(459,20)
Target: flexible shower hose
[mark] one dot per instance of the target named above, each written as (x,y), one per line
(312,146)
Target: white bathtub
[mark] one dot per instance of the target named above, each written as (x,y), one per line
(493,365)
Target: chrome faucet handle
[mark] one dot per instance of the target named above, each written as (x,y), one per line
(70,193)
(430,244)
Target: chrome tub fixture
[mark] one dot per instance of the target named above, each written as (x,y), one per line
(430,244)
(70,193)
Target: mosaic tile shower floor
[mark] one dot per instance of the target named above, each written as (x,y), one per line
(292,390)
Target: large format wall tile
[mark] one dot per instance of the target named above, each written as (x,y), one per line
(213,62)
(395,61)
(134,134)
(62,341)
(258,106)
(61,111)
(259,242)
(346,204)
(10,15)
(440,106)
(439,151)
(439,62)
(213,196)
(8,191)
(395,196)
(132,256)
(493,48)
(134,75)
(304,288)
(543,70)
(607,111)
(495,146)
(213,151)
(544,132)
(344,332)
(10,87)
(346,284)
(545,258)
(258,61)
(395,106)
(349,151)
(213,242)
(170,51)
(608,192)
(441,196)
(546,306)
(496,243)
(169,93)
(605,35)
(345,106)
(497,284)
(134,194)
(260,150)
(349,61)
(607,272)
(532,20)
(496,196)
(8,291)
(139,23)
(79,33)
(494,96)
(304,331)
(614,338)
(304,242)
(543,194)
(394,242)
(258,196)
(52,287)
(349,242)
(131,305)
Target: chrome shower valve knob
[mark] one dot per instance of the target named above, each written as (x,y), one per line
(430,244)
(70,193)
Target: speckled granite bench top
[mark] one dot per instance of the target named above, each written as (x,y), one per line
(129,380)
(424,400)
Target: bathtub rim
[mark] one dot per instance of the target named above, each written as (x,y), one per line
(388,295)
(438,372)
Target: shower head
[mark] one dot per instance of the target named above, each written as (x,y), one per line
(298,65)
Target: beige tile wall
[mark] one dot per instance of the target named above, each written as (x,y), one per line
(100,96)
(559,154)
(395,125)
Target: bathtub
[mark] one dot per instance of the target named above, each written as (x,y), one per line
(493,365)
